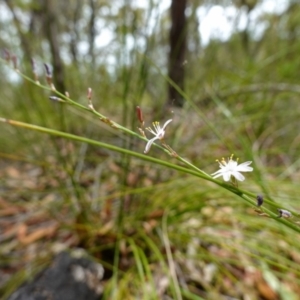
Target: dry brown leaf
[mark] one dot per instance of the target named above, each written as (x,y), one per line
(132,179)
(38,217)
(13,172)
(115,168)
(150,225)
(22,230)
(264,289)
(3,203)
(156,214)
(105,228)
(37,234)
(10,232)
(10,211)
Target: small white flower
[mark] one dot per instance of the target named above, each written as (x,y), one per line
(159,133)
(230,168)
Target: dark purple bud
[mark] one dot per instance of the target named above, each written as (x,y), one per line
(48,71)
(260,200)
(49,76)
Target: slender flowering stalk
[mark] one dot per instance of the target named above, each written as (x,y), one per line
(231,169)
(159,133)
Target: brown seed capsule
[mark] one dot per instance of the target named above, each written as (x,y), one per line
(140,115)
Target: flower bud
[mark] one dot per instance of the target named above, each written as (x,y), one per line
(89,93)
(284,213)
(140,115)
(260,200)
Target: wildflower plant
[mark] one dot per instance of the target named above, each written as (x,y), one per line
(230,170)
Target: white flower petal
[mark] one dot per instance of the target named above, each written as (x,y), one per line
(232,164)
(238,176)
(226,176)
(149,144)
(217,174)
(244,167)
(165,125)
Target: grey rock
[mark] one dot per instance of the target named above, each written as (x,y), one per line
(67,278)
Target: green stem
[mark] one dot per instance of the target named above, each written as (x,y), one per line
(105,119)
(198,173)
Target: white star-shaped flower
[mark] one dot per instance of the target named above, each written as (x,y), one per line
(159,133)
(231,168)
